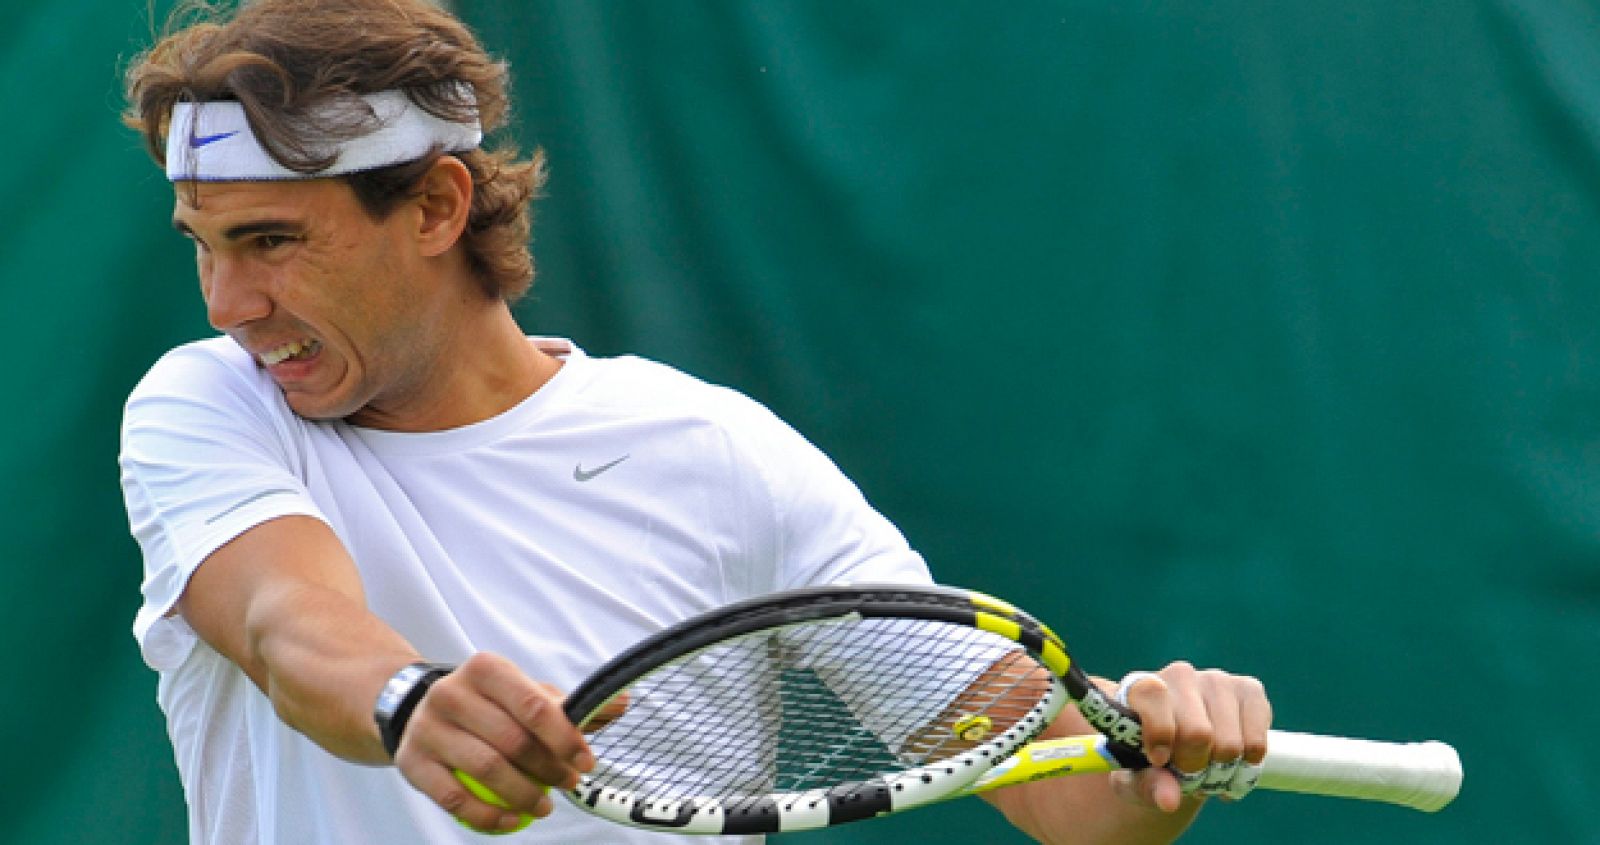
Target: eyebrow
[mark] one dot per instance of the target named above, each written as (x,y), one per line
(245,230)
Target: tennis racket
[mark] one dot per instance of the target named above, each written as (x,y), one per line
(821,706)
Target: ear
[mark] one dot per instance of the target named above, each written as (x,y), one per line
(444,200)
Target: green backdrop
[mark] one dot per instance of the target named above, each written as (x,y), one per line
(1259,334)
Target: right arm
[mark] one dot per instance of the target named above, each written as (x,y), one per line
(284,602)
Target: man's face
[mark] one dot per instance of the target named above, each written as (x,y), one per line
(328,300)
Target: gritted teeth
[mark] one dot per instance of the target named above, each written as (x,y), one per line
(296,349)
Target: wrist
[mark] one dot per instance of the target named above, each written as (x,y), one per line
(400,697)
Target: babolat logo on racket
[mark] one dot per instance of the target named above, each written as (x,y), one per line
(972,728)
(1110,721)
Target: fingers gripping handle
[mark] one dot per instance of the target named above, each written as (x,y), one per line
(1421,775)
(1112,717)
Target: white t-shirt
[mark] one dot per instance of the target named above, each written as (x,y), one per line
(621,497)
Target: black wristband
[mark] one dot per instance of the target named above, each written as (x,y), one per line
(400,698)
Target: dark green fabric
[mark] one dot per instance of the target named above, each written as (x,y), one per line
(91,291)
(1263,335)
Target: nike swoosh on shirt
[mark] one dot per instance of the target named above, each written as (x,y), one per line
(202,140)
(581,474)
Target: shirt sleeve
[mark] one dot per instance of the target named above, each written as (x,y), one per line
(825,531)
(205,456)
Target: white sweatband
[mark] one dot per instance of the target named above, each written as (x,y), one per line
(212,141)
(1128,680)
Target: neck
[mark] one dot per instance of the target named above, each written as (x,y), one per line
(486,365)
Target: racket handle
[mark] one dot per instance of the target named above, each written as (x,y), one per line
(1421,775)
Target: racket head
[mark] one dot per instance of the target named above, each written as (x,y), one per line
(815,707)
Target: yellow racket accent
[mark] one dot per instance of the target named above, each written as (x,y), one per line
(1051,636)
(1053,655)
(991,603)
(1045,759)
(1055,658)
(998,625)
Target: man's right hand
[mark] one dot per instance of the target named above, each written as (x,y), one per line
(502,728)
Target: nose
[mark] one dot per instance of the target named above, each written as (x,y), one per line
(233,294)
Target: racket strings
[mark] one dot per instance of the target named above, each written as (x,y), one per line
(1002,696)
(812,706)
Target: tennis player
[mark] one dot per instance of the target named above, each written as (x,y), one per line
(383,529)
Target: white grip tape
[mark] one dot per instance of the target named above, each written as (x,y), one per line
(1421,775)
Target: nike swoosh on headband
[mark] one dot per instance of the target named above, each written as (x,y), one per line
(211,139)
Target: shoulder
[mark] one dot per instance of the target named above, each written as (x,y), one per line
(635,387)
(200,367)
(211,381)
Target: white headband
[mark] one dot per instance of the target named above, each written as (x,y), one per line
(212,141)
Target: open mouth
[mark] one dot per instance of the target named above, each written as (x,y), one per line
(296,351)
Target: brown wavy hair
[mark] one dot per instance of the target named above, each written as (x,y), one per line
(283,59)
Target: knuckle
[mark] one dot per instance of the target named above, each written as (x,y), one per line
(1182,669)
(472,667)
(549,691)
(552,773)
(1195,737)
(407,755)
(548,772)
(1227,748)
(453,799)
(442,697)
(481,664)
(480,762)
(1149,686)
(513,741)
(481,818)
(1194,742)
(1193,716)
(1217,683)
(533,705)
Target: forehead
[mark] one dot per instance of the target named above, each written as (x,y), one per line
(215,203)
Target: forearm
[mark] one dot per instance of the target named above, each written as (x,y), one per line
(284,602)
(1085,809)
(322,659)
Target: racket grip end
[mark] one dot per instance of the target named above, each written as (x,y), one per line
(1423,776)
